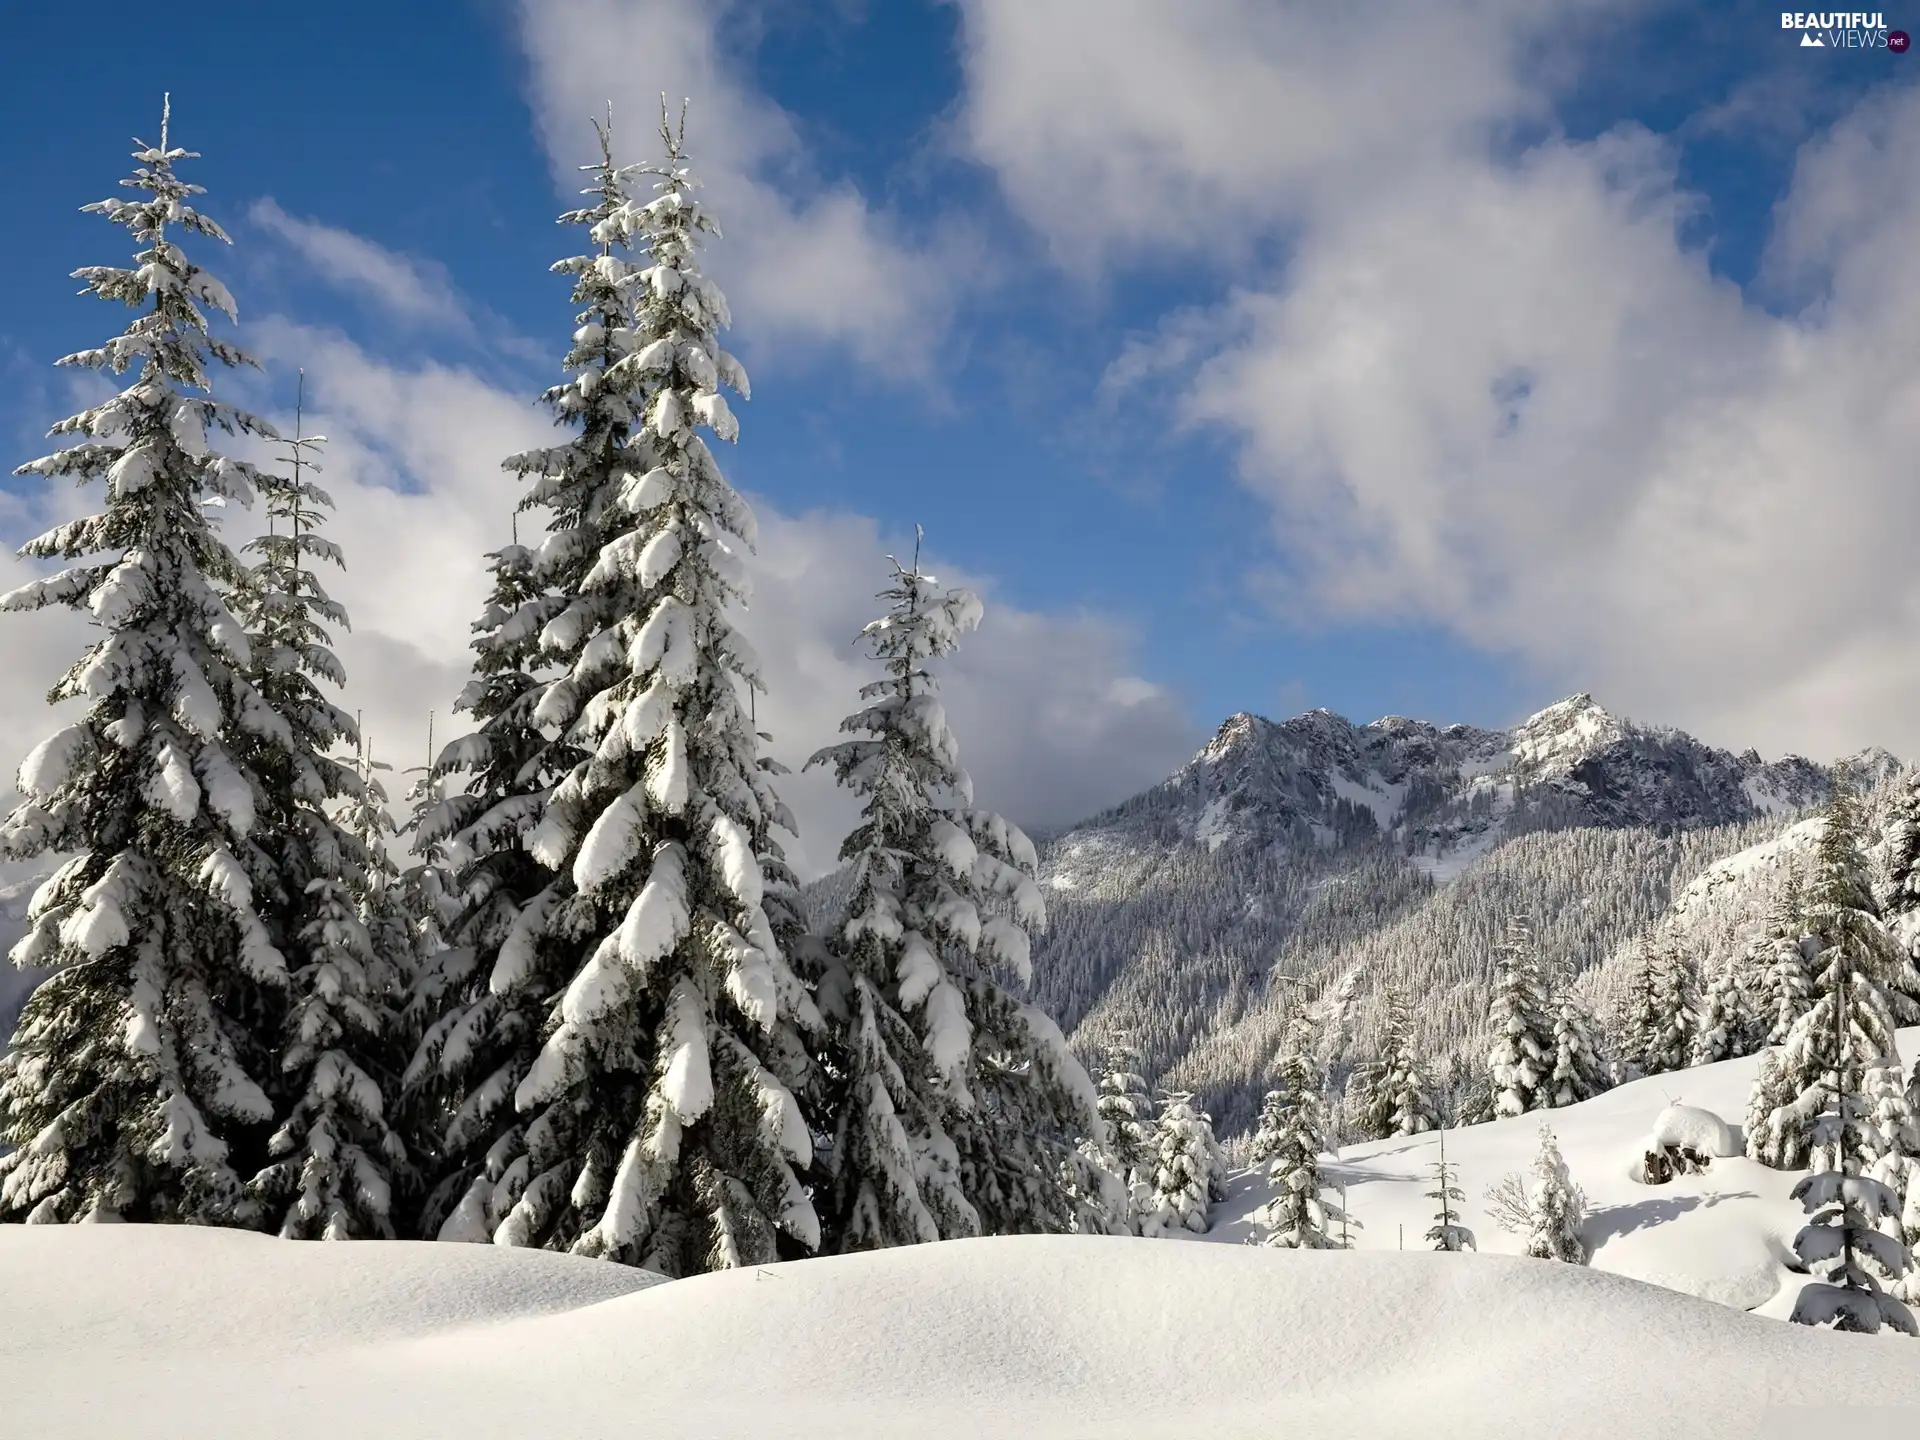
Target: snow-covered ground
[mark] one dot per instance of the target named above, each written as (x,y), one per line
(116,1330)
(125,1330)
(1724,1235)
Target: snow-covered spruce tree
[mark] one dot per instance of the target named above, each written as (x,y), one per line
(1556,1208)
(483,1006)
(1849,1029)
(1335,1026)
(1298,1216)
(1521,1062)
(1190,1175)
(1789,978)
(1667,1046)
(1724,1024)
(1901,857)
(1578,1071)
(428,887)
(1893,1129)
(1127,1109)
(136,1084)
(1267,1131)
(1467,1096)
(334,1153)
(662,1127)
(477,1042)
(931,1057)
(1636,1023)
(1852,1229)
(1447,1232)
(1396,1096)
(1896,1117)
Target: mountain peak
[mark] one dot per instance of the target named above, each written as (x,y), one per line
(1236,731)
(1565,733)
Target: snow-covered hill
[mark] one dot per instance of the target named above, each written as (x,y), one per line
(1724,1235)
(128,1330)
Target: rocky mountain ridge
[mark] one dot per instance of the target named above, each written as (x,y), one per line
(1430,791)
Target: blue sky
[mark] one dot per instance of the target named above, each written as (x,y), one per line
(1186,335)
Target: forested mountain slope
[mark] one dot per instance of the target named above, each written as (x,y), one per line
(1288,856)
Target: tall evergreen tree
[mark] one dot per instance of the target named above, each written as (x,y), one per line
(1268,1130)
(1852,1229)
(483,1005)
(1636,1024)
(476,1041)
(334,1154)
(286,611)
(1783,1147)
(1127,1109)
(1396,1096)
(662,1127)
(1902,908)
(933,1056)
(1898,1168)
(1669,1044)
(1299,1216)
(1849,1029)
(1789,978)
(1556,1208)
(1521,1063)
(1191,1174)
(136,1087)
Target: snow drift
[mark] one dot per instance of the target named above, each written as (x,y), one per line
(136,1330)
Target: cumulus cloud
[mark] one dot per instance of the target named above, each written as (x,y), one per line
(413,291)
(1495,384)
(813,262)
(1188,128)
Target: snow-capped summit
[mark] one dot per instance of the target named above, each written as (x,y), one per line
(1565,733)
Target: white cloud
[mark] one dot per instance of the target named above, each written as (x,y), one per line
(1492,386)
(416,292)
(811,263)
(1192,127)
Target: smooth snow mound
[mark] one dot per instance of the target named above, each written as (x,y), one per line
(1697,1129)
(132,1330)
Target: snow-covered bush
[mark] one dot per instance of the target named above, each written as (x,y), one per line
(1190,1175)
(1556,1208)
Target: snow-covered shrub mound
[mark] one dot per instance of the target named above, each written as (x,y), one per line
(131,1330)
(1689,1127)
